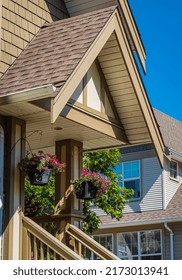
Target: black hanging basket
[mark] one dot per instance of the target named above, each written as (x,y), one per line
(37,177)
(87,191)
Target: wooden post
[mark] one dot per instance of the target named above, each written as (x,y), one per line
(14,187)
(70,152)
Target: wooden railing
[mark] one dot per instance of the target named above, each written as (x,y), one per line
(86,247)
(82,244)
(39,244)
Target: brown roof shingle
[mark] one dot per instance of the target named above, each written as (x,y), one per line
(54,52)
(171,130)
(172,212)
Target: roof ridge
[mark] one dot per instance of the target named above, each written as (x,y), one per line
(81,16)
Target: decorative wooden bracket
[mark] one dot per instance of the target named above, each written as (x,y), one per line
(60,204)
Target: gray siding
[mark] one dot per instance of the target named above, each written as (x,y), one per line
(171,186)
(151,188)
(177,230)
(151,185)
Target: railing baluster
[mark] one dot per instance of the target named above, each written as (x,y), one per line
(35,249)
(41,250)
(48,253)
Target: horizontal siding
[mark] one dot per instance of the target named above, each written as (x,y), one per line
(21,20)
(171,186)
(177,230)
(151,188)
(151,185)
(76,7)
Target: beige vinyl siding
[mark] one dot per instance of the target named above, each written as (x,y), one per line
(21,20)
(171,186)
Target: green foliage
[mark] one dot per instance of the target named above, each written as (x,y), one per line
(39,200)
(113,200)
(91,220)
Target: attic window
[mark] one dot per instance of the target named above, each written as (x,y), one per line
(173,169)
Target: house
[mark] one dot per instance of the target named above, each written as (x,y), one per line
(69,83)
(151,227)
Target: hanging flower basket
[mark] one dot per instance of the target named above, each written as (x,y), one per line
(39,177)
(87,191)
(40,166)
(89,185)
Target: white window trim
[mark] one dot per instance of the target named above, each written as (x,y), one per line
(172,178)
(134,178)
(106,234)
(139,256)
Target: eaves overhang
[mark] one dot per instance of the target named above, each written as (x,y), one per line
(28,95)
(67,66)
(141,223)
(112,26)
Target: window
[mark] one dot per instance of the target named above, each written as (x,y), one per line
(173,169)
(130,172)
(105,240)
(143,245)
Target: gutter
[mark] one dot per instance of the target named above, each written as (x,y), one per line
(173,154)
(171,240)
(138,223)
(27,95)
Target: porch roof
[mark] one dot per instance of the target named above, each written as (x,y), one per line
(173,213)
(58,58)
(54,53)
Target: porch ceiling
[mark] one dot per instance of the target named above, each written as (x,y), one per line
(41,134)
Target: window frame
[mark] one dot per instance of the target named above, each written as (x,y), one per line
(105,234)
(140,255)
(133,178)
(177,171)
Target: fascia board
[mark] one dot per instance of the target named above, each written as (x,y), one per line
(59,102)
(130,22)
(139,89)
(27,95)
(140,223)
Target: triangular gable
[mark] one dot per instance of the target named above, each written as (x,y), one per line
(62,54)
(114,26)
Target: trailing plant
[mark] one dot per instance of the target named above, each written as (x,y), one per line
(41,161)
(100,182)
(114,198)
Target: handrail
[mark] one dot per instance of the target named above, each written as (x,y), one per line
(89,243)
(48,241)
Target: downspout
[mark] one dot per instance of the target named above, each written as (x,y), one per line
(163,190)
(171,240)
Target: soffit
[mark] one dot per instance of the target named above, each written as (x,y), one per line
(123,93)
(77,7)
(41,134)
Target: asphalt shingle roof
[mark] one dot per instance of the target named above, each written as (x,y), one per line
(171,130)
(173,210)
(54,52)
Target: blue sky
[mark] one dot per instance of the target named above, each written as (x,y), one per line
(160,25)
